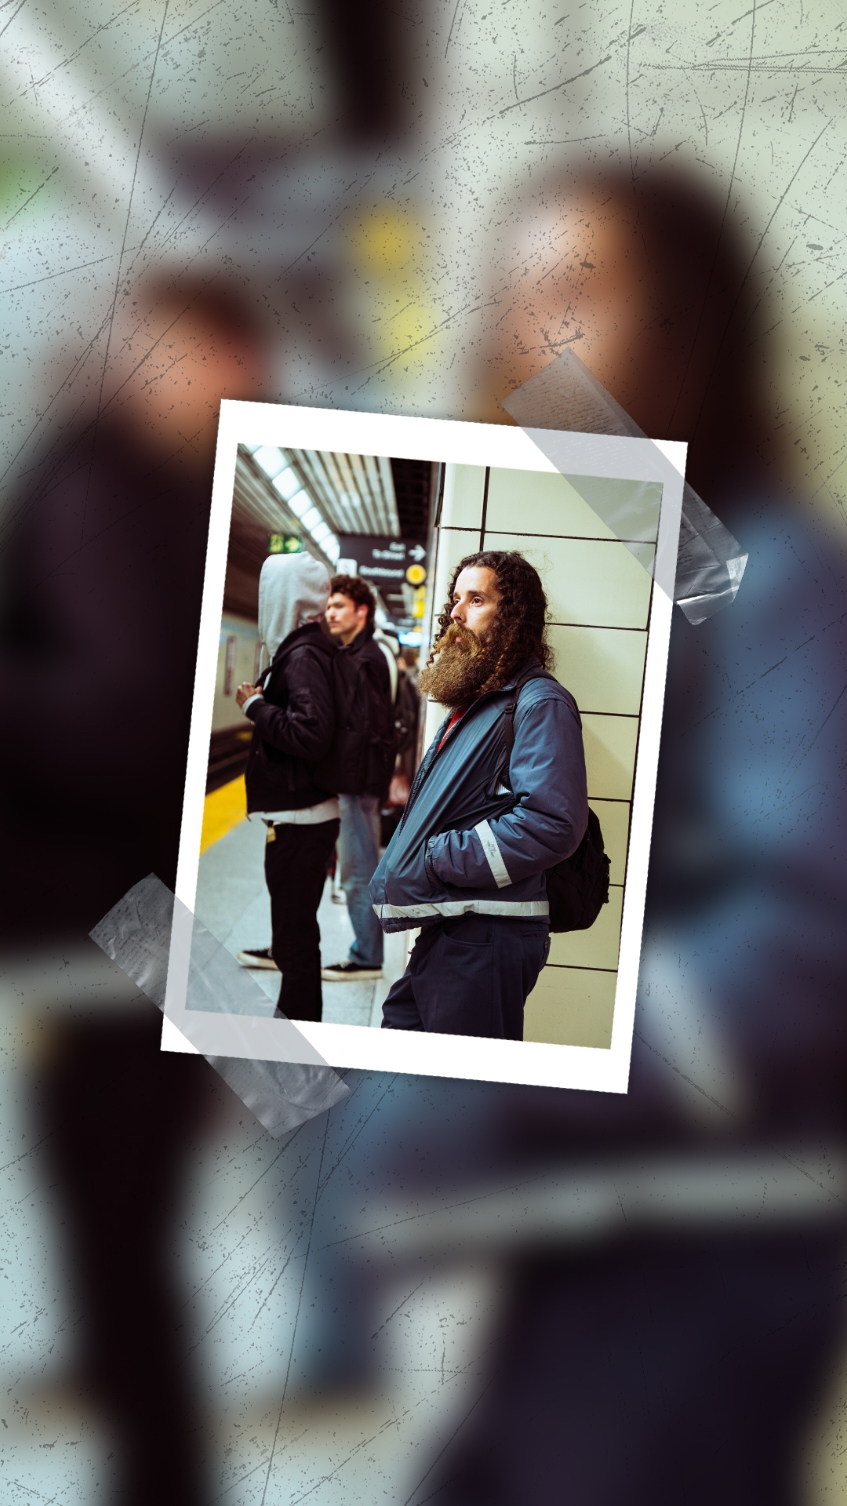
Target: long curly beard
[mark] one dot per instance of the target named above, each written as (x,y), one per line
(461,667)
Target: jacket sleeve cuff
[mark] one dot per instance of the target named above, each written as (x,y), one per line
(429,867)
(251,701)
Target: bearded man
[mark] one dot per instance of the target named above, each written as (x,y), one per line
(468,861)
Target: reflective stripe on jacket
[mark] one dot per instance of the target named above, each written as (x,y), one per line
(468,841)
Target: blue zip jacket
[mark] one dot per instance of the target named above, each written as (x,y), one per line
(470,841)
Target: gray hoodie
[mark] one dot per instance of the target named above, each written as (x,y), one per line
(293,590)
(294,717)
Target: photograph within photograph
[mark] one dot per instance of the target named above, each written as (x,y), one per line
(424,735)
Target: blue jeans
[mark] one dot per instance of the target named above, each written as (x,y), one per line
(358,855)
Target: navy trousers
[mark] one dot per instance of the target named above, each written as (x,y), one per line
(469,976)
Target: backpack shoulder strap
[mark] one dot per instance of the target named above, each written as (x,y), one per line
(393,671)
(509,713)
(280,660)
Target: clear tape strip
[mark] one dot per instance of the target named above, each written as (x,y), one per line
(154,938)
(710,562)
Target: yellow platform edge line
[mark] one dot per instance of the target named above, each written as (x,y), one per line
(222,810)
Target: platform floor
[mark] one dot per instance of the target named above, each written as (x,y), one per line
(233,903)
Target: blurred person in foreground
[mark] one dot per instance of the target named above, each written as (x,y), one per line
(103,562)
(673,1352)
(104,544)
(294,721)
(350,619)
(683,1357)
(468,862)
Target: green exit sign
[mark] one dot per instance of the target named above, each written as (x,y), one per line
(285,543)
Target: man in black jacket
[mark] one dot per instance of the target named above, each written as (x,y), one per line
(293,716)
(350,619)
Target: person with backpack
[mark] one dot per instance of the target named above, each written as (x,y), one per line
(499,799)
(407,716)
(371,674)
(289,775)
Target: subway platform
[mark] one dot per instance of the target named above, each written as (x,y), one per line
(233,903)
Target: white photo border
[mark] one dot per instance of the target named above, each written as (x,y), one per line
(448,441)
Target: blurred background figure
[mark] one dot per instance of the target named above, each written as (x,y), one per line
(408,720)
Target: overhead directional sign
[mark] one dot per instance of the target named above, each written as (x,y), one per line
(395,568)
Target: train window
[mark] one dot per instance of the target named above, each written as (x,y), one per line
(229,666)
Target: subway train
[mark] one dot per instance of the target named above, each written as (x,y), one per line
(240,657)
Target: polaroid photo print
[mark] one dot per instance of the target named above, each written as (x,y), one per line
(302,496)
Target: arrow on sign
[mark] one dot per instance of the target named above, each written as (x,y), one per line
(417,552)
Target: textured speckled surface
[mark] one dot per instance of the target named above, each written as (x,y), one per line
(396,219)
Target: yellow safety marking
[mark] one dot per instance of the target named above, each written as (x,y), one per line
(222,810)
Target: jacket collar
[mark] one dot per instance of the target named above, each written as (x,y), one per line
(481,700)
(356,644)
(531,664)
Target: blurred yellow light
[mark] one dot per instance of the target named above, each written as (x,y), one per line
(386,239)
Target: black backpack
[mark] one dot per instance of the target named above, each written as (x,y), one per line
(361,759)
(578,887)
(406,713)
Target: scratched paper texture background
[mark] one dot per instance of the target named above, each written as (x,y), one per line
(440,1291)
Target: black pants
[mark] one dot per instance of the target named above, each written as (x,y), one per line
(295,869)
(470,976)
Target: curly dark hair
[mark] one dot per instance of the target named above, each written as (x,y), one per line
(358,591)
(521,626)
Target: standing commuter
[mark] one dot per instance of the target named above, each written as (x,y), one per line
(467,863)
(293,716)
(350,619)
(407,718)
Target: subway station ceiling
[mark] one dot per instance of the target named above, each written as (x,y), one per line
(355,493)
(319,495)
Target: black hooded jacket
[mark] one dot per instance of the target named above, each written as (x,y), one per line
(365,646)
(293,724)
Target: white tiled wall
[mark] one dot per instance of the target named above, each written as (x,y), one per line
(602,667)
(595,582)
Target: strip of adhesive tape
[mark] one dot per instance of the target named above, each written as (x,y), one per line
(153,937)
(710,562)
